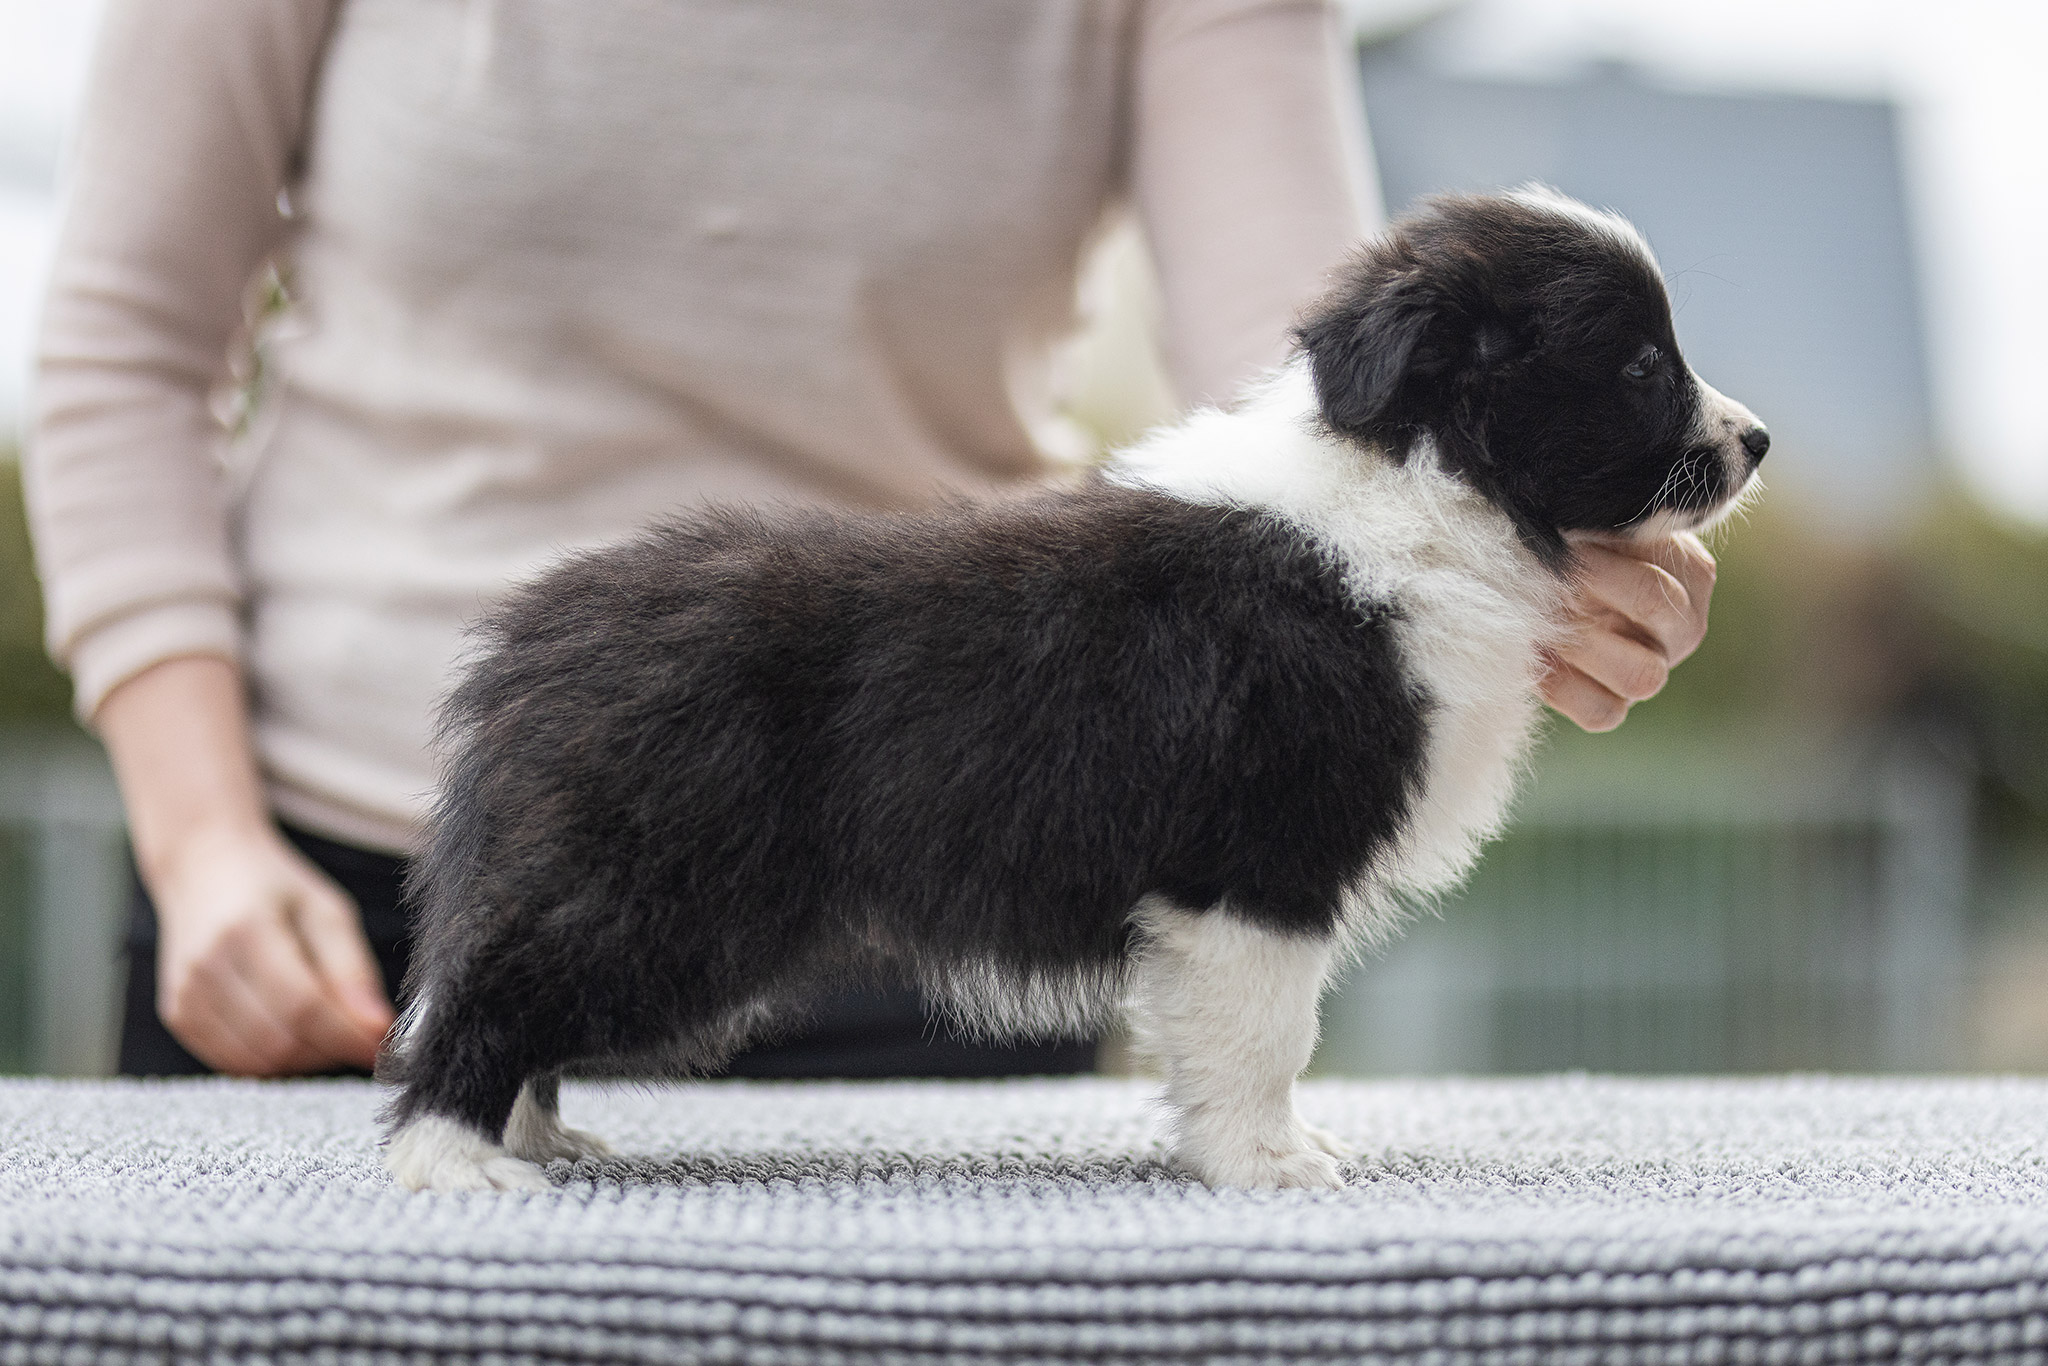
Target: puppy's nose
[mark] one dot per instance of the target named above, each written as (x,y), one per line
(1756,440)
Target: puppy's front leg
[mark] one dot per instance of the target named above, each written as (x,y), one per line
(1228,1009)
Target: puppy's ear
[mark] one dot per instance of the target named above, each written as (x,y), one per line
(1367,347)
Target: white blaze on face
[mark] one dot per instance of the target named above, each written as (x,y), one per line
(1723,421)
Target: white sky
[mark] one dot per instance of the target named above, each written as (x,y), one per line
(44,46)
(1970,76)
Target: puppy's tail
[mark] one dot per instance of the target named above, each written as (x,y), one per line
(440,881)
(394,1055)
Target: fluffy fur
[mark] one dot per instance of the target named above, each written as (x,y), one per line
(1179,738)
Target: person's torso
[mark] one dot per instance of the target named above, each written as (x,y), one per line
(562,268)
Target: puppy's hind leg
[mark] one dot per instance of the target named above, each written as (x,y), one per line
(536,1133)
(1228,1009)
(456,1094)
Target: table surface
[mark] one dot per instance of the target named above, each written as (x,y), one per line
(1485,1220)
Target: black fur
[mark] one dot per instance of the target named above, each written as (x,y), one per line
(1505,331)
(703,777)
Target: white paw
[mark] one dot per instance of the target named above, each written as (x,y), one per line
(1261,1167)
(538,1134)
(437,1154)
(1328,1142)
(557,1141)
(493,1174)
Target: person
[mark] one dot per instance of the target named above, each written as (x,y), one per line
(555,270)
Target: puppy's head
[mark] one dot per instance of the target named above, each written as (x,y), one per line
(1530,339)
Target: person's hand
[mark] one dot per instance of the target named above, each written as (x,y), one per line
(263,968)
(1640,608)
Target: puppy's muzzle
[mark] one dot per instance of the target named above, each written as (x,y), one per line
(1757,442)
(1736,433)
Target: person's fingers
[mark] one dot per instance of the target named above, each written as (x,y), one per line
(331,931)
(269,958)
(1581,700)
(1687,557)
(1649,597)
(260,1023)
(1615,574)
(190,1010)
(1617,661)
(1641,608)
(225,1021)
(211,1036)
(1693,565)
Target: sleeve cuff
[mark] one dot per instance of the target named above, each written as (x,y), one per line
(110,655)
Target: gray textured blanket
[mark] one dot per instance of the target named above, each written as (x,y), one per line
(1551,1220)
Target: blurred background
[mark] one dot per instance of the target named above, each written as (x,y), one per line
(1825,846)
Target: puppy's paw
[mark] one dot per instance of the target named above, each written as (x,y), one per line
(1328,1142)
(545,1145)
(536,1133)
(494,1174)
(577,1144)
(1261,1167)
(437,1154)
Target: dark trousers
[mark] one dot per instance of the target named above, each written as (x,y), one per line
(858,1034)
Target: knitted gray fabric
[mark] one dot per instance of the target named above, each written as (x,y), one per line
(1565,1219)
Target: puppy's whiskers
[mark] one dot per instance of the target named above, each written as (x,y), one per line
(1656,500)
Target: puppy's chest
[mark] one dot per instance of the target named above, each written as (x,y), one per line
(1475,614)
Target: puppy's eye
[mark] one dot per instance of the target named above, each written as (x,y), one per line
(1644,365)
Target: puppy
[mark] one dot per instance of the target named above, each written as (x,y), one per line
(1181,738)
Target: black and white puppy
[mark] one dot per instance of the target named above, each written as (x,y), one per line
(1180,738)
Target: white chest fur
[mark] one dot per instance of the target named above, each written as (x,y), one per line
(1477,608)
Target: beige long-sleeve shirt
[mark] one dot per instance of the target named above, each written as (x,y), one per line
(560,267)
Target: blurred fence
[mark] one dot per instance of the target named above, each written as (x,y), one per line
(63,890)
(1809,911)
(1803,910)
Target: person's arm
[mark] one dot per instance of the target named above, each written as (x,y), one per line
(190,127)
(262,967)
(1250,175)
(1252,178)
(192,121)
